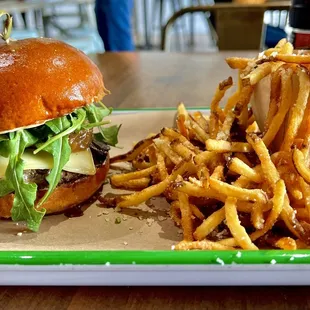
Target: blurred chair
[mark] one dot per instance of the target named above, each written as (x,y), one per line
(160,13)
(207,19)
(239,27)
(181,28)
(74,24)
(152,15)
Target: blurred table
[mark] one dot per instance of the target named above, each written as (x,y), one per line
(21,6)
(24,6)
(40,8)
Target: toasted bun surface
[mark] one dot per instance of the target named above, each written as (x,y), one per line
(42,79)
(64,196)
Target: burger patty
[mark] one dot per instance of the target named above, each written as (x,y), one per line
(99,152)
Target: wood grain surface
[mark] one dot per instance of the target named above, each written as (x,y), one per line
(147,298)
(156,80)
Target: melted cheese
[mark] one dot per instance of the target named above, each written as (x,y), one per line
(79,162)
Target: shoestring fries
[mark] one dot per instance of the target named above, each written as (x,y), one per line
(229,183)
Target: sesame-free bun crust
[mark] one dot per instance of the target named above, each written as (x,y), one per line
(42,79)
(66,195)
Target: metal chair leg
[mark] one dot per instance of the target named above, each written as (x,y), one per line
(161,12)
(192,26)
(158,5)
(213,33)
(175,16)
(146,26)
(178,38)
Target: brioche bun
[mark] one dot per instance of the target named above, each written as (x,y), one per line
(43,79)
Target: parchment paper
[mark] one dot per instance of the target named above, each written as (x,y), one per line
(147,227)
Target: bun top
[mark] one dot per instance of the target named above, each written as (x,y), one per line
(42,79)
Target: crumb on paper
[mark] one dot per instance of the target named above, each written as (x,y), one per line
(173,247)
(107,219)
(19,234)
(150,222)
(118,220)
(140,217)
(16,224)
(124,217)
(104,212)
(125,243)
(161,218)
(117,209)
(130,228)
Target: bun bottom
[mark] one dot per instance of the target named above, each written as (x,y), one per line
(66,195)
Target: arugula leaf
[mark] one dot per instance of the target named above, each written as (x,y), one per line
(92,125)
(58,125)
(76,123)
(4,146)
(109,134)
(100,111)
(24,193)
(3,138)
(6,187)
(60,150)
(42,132)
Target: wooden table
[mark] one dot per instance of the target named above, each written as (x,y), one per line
(150,80)
(153,298)
(157,79)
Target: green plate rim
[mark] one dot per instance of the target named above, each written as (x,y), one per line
(154,257)
(110,257)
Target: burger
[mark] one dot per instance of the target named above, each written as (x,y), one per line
(54,137)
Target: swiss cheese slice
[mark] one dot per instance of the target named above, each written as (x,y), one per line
(79,162)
